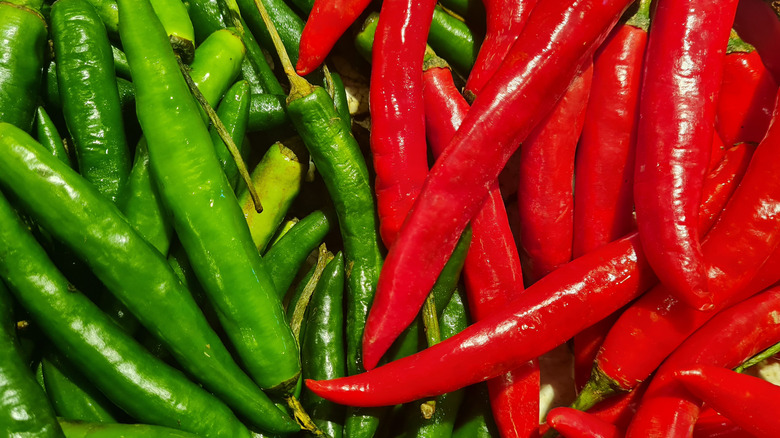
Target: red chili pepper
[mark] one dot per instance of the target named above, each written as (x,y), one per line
(717,151)
(586,347)
(571,423)
(711,424)
(758,25)
(505,21)
(731,337)
(557,41)
(328,20)
(397,120)
(492,269)
(685,47)
(721,183)
(545,193)
(741,241)
(748,401)
(604,199)
(747,96)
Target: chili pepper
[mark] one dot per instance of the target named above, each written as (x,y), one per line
(234,112)
(208,222)
(25,409)
(266,111)
(120,63)
(476,420)
(335,86)
(90,100)
(746,400)
(285,257)
(322,346)
(364,40)
(327,21)
(571,423)
(220,54)
(687,43)
(604,206)
(71,395)
(143,387)
(746,97)
(173,16)
(545,193)
(22,42)
(287,23)
(738,244)
(720,184)
(460,179)
(109,15)
(464,8)
(492,268)
(277,179)
(103,430)
(453,40)
(758,25)
(283,229)
(717,151)
(397,119)
(732,336)
(66,205)
(53,100)
(505,21)
(710,424)
(586,346)
(49,137)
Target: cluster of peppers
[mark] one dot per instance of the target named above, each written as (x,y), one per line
(132,283)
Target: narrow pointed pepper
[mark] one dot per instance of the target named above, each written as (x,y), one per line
(759,26)
(686,46)
(174,18)
(571,423)
(532,78)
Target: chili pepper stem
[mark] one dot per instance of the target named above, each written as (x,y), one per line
(300,306)
(223,134)
(302,417)
(599,387)
(769,352)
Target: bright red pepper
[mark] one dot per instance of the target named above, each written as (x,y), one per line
(722,181)
(717,151)
(492,269)
(397,120)
(328,20)
(505,21)
(571,423)
(685,49)
(748,401)
(545,193)
(743,239)
(758,25)
(557,41)
(711,424)
(731,337)
(747,96)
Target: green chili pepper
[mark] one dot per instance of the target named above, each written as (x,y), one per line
(465,8)
(475,420)
(67,206)
(174,18)
(90,99)
(364,40)
(24,409)
(283,229)
(452,39)
(267,111)
(287,23)
(208,221)
(117,365)
(217,61)
(71,395)
(22,44)
(322,347)
(337,92)
(277,180)
(106,430)
(109,14)
(285,258)
(304,6)
(53,100)
(121,67)
(49,137)
(234,113)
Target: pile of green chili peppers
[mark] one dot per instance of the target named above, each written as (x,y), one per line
(143,291)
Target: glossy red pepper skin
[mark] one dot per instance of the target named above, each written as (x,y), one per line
(686,46)
(746,99)
(327,21)
(544,316)
(397,120)
(721,183)
(505,21)
(711,424)
(492,270)
(730,338)
(571,423)
(748,401)
(759,26)
(740,242)
(534,75)
(545,193)
(717,151)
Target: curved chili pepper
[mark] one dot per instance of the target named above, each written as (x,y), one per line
(505,21)
(710,424)
(744,237)
(397,120)
(746,97)
(686,44)
(731,337)
(759,26)
(544,192)
(748,401)
(717,151)
(522,92)
(571,423)
(492,269)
